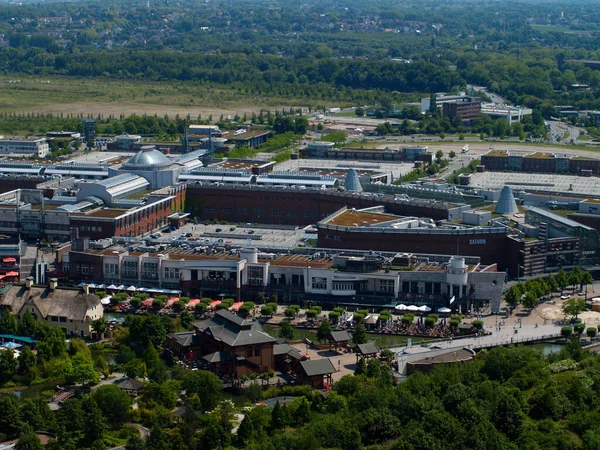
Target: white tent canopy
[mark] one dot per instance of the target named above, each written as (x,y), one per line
(444,310)
(412,308)
(424,308)
(401,307)
(131,289)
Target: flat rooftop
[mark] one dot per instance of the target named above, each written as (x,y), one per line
(339,173)
(551,183)
(236,165)
(540,155)
(110,213)
(350,218)
(497,153)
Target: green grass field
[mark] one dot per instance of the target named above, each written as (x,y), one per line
(91,96)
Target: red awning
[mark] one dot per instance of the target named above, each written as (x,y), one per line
(2,276)
(236,306)
(147,302)
(13,273)
(9,260)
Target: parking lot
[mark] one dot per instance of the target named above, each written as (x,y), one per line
(192,235)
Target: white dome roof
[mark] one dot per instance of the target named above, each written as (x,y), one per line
(147,156)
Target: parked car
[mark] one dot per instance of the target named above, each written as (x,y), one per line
(218,230)
(250,231)
(564,297)
(232,229)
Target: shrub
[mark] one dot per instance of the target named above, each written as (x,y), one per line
(100,294)
(566,332)
(579,328)
(478,324)
(407,319)
(591,331)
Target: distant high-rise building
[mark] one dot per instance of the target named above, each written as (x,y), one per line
(89,129)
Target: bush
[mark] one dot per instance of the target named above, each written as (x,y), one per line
(579,328)
(591,331)
(100,294)
(478,324)
(135,302)
(185,300)
(157,303)
(566,332)
(407,319)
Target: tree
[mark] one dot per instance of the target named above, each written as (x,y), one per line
(28,440)
(561,280)
(359,111)
(452,154)
(27,324)
(573,307)
(579,328)
(513,296)
(286,331)
(530,300)
(360,334)
(94,424)
(77,369)
(361,367)
(266,311)
(9,419)
(8,322)
(575,276)
(186,319)
(206,387)
(100,326)
(245,431)
(324,330)
(566,332)
(113,402)
(290,313)
(334,316)
(586,278)
(8,365)
(439,155)
(27,360)
(591,332)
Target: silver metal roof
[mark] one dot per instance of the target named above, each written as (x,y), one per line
(148,157)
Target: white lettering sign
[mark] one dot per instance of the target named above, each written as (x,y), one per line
(477,242)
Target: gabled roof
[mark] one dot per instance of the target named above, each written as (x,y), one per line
(367,349)
(73,304)
(284,349)
(129,384)
(217,357)
(185,338)
(340,336)
(233,330)
(317,367)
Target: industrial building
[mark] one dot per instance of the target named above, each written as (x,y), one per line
(25,147)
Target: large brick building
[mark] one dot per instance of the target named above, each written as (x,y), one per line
(539,162)
(287,206)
